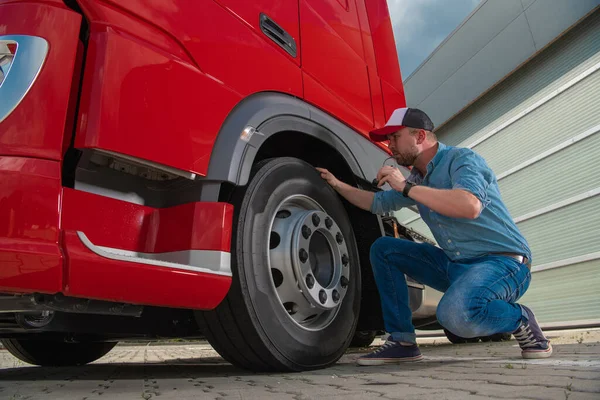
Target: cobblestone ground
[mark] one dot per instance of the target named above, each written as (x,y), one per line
(195,371)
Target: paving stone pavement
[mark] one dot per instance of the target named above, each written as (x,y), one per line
(194,371)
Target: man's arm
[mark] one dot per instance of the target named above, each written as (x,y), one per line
(455,203)
(377,203)
(360,198)
(470,177)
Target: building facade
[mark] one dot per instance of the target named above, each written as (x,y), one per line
(519,83)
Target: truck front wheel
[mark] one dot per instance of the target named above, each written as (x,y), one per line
(54,353)
(295,295)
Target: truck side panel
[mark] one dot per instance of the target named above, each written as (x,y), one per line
(388,67)
(36,127)
(184,101)
(148,105)
(30,257)
(175,257)
(222,37)
(370,59)
(332,53)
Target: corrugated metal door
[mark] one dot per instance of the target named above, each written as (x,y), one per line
(539,131)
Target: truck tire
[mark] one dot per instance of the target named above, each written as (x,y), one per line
(363,338)
(53,353)
(294,300)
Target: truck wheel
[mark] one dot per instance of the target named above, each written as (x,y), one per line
(295,296)
(363,338)
(53,353)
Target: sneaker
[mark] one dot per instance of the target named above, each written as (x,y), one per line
(531,339)
(391,352)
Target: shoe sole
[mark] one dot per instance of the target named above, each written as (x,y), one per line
(537,354)
(382,361)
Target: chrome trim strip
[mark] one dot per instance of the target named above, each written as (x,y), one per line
(26,66)
(205,261)
(166,168)
(566,262)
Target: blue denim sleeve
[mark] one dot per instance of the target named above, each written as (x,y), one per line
(470,172)
(389,200)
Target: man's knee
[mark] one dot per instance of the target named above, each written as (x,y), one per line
(457,314)
(385,243)
(379,247)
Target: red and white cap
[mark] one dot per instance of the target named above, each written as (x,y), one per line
(401,118)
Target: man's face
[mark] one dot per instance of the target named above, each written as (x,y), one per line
(404,147)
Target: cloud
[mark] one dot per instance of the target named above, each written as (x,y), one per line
(421,25)
(408,16)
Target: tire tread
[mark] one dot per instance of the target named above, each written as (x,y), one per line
(223,326)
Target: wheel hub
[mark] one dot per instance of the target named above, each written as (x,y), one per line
(309,262)
(319,274)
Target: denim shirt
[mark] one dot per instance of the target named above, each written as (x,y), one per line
(493,231)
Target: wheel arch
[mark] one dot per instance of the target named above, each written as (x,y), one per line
(278,125)
(260,116)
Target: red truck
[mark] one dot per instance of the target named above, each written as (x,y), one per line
(157,176)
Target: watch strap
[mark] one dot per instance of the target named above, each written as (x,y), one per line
(407,187)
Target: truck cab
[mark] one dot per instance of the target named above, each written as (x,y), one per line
(157,162)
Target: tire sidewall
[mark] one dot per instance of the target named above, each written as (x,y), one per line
(274,182)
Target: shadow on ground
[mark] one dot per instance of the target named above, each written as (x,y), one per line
(184,368)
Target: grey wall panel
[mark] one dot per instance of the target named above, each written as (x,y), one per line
(527,3)
(516,45)
(491,18)
(568,173)
(546,127)
(565,12)
(565,233)
(566,59)
(565,294)
(502,56)
(563,83)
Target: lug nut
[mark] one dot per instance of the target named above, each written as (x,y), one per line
(328,223)
(322,297)
(283,214)
(339,238)
(303,255)
(310,281)
(336,296)
(306,232)
(316,220)
(345,259)
(344,282)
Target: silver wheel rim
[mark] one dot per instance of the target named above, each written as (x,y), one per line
(309,262)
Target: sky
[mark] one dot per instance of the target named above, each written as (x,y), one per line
(421,25)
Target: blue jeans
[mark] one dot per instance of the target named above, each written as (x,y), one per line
(479,294)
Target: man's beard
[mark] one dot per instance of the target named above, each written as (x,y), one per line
(406,158)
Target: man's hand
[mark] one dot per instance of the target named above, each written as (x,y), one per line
(360,198)
(329,177)
(393,176)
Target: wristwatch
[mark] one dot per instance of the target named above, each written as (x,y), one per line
(407,187)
